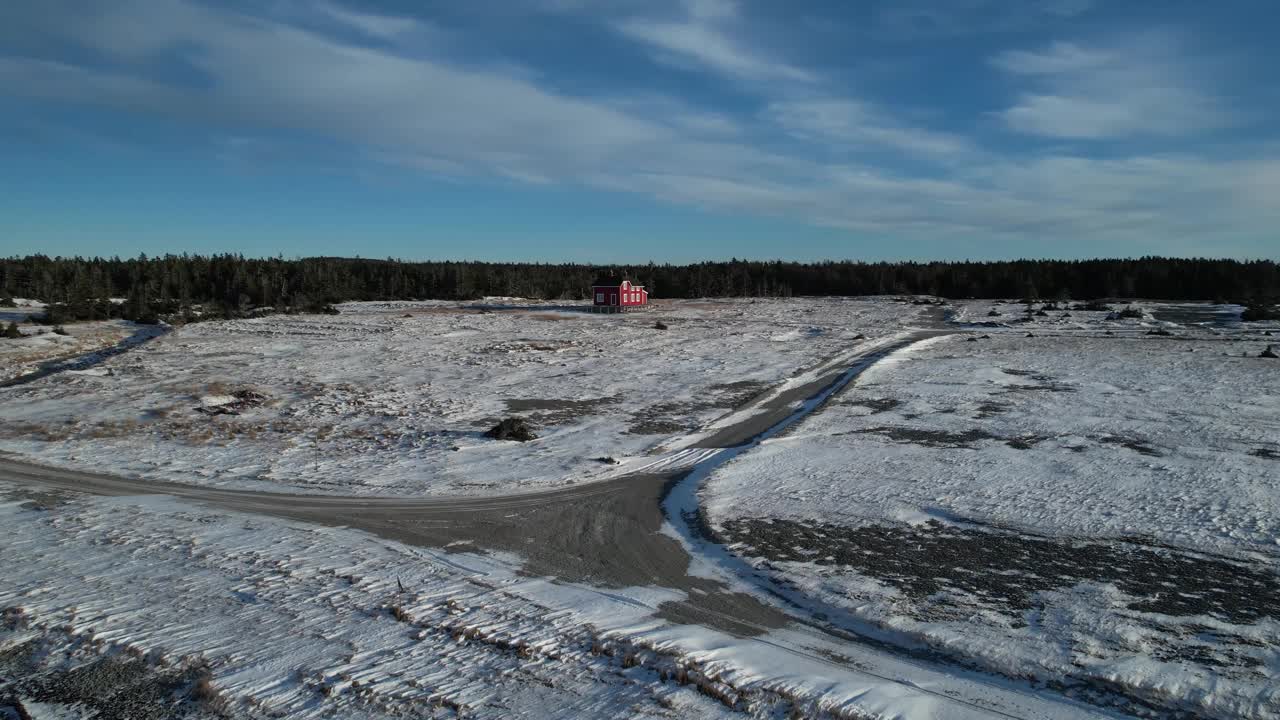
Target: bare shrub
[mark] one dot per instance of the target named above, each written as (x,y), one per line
(13,618)
(512,428)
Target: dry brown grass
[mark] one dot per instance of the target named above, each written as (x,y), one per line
(111,429)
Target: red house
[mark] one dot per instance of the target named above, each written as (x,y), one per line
(613,295)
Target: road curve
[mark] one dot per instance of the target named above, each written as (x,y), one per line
(605,534)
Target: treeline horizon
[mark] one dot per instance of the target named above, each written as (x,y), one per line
(235,283)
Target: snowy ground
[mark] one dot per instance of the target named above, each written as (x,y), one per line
(148,607)
(39,344)
(393,398)
(1091,507)
(288,619)
(1070,498)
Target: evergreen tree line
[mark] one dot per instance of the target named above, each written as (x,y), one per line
(231,285)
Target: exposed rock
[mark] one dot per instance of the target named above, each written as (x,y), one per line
(513,428)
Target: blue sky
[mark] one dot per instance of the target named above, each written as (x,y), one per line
(627,131)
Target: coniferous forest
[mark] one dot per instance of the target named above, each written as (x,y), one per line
(230,285)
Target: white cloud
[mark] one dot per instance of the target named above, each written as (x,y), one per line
(1147,87)
(857,124)
(385,27)
(1142,111)
(415,111)
(1060,57)
(703,38)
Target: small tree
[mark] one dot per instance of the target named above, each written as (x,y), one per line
(12,331)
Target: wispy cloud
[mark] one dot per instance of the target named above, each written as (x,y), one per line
(854,124)
(909,20)
(385,27)
(798,157)
(704,38)
(1146,86)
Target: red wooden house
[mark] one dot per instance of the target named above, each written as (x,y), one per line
(617,295)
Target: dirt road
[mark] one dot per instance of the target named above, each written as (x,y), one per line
(609,534)
(605,533)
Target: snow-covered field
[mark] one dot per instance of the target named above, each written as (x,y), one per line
(148,607)
(1066,498)
(393,398)
(39,344)
(283,619)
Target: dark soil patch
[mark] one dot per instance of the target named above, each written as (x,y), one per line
(1038,377)
(930,438)
(736,394)
(1024,442)
(114,687)
(1267,453)
(550,411)
(1007,569)
(877,405)
(990,408)
(1135,444)
(1046,385)
(668,418)
(663,418)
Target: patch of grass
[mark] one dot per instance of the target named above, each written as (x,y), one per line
(1008,569)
